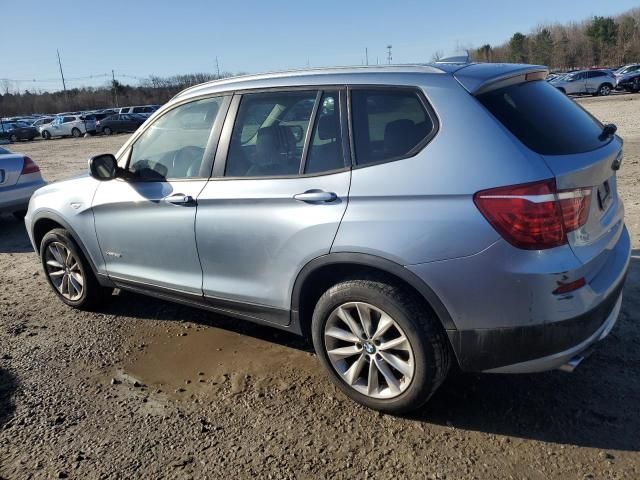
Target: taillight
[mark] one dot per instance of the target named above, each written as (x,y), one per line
(534,216)
(29,166)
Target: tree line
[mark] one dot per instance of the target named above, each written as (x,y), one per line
(154,90)
(597,42)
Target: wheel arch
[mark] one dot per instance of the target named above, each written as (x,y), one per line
(45,221)
(322,272)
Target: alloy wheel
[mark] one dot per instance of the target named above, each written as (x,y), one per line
(63,269)
(369,350)
(605,90)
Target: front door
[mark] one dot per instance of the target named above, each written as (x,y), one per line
(276,199)
(146,223)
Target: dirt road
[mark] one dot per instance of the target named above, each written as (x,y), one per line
(149,389)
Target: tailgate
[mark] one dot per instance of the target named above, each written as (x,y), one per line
(595,170)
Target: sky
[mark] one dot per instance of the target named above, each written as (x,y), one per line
(138,38)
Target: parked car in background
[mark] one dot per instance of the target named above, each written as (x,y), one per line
(119,123)
(630,82)
(41,121)
(19,178)
(631,68)
(64,126)
(16,131)
(364,222)
(594,82)
(145,110)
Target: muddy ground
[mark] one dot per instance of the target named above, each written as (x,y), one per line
(149,389)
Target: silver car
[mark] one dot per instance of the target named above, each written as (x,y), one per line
(404,218)
(593,82)
(19,178)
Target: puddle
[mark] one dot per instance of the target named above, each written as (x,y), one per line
(209,359)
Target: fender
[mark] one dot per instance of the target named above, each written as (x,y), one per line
(46,214)
(378,263)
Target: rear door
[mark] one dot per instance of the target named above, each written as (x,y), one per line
(579,154)
(280,188)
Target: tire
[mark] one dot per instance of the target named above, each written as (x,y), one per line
(76,133)
(424,353)
(13,138)
(46,135)
(107,131)
(60,253)
(19,215)
(604,90)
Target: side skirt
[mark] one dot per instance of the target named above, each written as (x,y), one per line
(260,314)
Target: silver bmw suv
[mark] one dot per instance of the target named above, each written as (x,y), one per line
(403,218)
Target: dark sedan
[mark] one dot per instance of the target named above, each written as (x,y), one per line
(125,122)
(14,131)
(630,82)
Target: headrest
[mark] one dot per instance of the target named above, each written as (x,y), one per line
(328,126)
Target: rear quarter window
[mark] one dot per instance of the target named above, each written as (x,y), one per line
(544,118)
(388,124)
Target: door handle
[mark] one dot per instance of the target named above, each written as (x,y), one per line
(316,196)
(180,199)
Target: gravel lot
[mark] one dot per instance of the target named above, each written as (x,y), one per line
(155,390)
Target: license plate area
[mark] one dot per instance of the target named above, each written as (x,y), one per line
(604,196)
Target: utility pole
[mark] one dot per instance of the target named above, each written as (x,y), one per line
(366,54)
(389,57)
(217,67)
(115,86)
(64,86)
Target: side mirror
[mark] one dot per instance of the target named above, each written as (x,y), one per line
(103,167)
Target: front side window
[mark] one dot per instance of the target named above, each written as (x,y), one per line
(269,133)
(173,146)
(387,124)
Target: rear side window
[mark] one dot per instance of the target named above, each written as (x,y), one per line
(544,119)
(388,124)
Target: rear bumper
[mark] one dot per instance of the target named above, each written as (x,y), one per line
(536,348)
(506,317)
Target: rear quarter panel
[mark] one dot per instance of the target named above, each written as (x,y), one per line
(421,209)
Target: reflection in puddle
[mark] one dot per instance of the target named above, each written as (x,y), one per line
(209,359)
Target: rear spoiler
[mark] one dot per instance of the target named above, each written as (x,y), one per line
(478,78)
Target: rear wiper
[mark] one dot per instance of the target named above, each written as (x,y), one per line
(608,130)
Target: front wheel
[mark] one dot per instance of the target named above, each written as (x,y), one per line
(604,90)
(13,138)
(380,344)
(46,135)
(68,271)
(76,133)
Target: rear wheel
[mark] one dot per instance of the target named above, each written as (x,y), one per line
(107,131)
(13,138)
(68,271)
(380,344)
(76,132)
(46,135)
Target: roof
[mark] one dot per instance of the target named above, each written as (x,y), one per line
(471,75)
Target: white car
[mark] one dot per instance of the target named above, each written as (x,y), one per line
(64,126)
(144,110)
